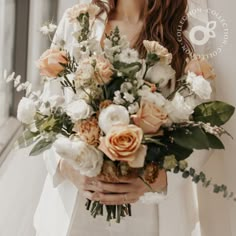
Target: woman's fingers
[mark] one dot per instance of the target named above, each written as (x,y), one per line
(117,199)
(118,180)
(114,188)
(111,199)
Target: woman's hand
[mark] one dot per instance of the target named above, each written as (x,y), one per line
(124,192)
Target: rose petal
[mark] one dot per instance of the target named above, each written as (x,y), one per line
(138,162)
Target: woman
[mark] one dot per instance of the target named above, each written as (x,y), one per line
(61,210)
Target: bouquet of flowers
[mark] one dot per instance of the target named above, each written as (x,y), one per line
(121,119)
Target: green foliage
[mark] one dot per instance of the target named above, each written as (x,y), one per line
(41,146)
(196,138)
(152,59)
(206,183)
(128,70)
(216,113)
(26,139)
(180,152)
(214,142)
(113,86)
(191,138)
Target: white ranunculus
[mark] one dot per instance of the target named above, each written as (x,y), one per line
(199,85)
(178,110)
(78,110)
(83,157)
(26,111)
(113,115)
(161,74)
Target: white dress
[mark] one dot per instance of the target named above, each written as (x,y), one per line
(61,210)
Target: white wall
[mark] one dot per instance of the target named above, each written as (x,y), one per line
(219,216)
(7,23)
(63,5)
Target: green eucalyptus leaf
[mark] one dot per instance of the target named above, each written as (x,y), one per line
(216,113)
(26,139)
(41,146)
(191,138)
(180,152)
(215,142)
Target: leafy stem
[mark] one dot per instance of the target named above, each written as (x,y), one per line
(201,177)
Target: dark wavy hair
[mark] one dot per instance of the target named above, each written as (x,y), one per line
(161,24)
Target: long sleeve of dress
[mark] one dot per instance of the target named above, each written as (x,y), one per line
(53,87)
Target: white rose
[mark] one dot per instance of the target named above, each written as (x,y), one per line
(199,85)
(161,74)
(83,157)
(113,115)
(178,110)
(26,111)
(63,146)
(56,101)
(78,110)
(193,101)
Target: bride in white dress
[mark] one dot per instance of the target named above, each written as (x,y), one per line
(61,210)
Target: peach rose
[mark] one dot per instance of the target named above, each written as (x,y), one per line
(88,131)
(105,104)
(158,49)
(123,143)
(103,70)
(200,66)
(50,63)
(74,12)
(149,117)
